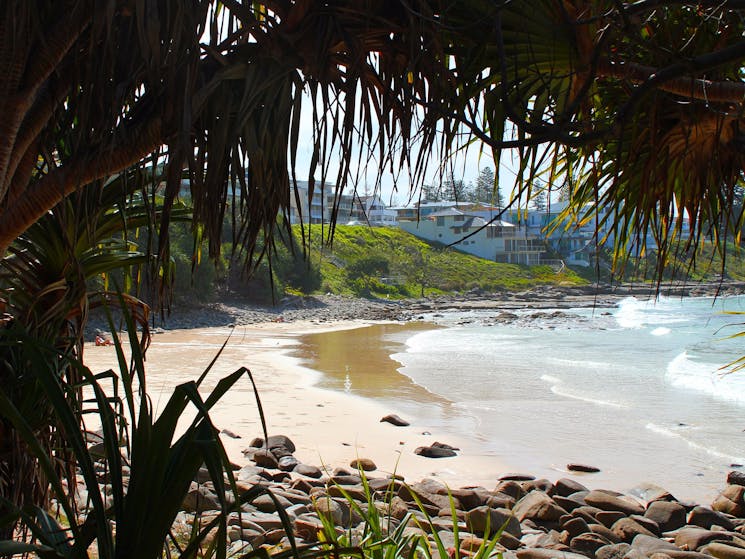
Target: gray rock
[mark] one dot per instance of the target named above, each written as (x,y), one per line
(667,514)
(606,501)
(536,505)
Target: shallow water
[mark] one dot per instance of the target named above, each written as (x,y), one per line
(636,390)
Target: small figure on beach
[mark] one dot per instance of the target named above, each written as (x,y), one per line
(102,340)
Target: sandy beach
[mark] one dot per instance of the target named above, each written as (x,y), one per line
(330,428)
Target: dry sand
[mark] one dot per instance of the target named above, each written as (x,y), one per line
(330,428)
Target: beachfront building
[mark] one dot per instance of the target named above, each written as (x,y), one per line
(372,210)
(350,208)
(497,240)
(576,239)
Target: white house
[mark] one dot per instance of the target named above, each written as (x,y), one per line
(498,241)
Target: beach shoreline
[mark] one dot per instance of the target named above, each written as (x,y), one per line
(332,427)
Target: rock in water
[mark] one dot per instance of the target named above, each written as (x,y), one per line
(393,419)
(582,468)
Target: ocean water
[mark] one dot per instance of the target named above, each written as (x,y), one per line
(639,390)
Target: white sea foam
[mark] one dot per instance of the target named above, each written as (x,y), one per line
(584,363)
(677,434)
(569,394)
(550,379)
(685,372)
(661,331)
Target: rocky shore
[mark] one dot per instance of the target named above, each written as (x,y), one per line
(539,519)
(333,308)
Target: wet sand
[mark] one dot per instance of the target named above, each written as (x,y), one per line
(329,427)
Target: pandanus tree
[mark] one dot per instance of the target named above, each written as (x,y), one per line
(636,106)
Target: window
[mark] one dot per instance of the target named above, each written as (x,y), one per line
(456,230)
(459,218)
(440,221)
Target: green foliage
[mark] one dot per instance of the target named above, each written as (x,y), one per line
(126,519)
(415,266)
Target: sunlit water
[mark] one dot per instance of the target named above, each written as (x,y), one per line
(637,390)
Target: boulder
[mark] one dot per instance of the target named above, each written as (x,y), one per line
(536,505)
(650,544)
(470,499)
(736,478)
(706,518)
(627,529)
(309,471)
(434,452)
(724,551)
(364,464)
(478,518)
(609,517)
(265,459)
(668,515)
(693,538)
(200,499)
(613,551)
(566,487)
(283,441)
(606,501)
(650,492)
(539,553)
(588,544)
(512,476)
(393,419)
(332,510)
(510,487)
(500,501)
(582,468)
(287,463)
(575,526)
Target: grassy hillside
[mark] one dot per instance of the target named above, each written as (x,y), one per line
(387,261)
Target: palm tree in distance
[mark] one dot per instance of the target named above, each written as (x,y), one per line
(642,100)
